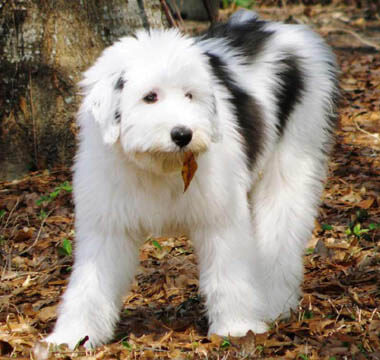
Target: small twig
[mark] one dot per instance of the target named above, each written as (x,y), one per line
(178,13)
(376,136)
(38,234)
(356,35)
(11,213)
(373,314)
(168,14)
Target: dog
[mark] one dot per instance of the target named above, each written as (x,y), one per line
(256,103)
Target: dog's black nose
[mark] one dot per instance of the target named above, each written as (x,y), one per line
(181,135)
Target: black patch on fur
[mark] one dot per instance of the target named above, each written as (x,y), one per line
(246,108)
(117,116)
(119,84)
(247,37)
(290,88)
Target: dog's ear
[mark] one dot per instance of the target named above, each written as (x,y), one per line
(102,102)
(102,86)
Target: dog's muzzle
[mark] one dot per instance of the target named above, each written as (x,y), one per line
(181,135)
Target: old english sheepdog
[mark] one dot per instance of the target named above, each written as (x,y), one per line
(255,102)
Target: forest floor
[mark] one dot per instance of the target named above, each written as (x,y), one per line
(338,316)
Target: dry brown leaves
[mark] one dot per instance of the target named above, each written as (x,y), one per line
(163,316)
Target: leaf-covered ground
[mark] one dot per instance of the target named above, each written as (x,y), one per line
(162,317)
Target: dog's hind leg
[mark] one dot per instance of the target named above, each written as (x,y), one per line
(285,203)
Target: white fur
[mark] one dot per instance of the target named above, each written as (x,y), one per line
(249,231)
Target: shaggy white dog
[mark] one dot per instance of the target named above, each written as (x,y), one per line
(255,102)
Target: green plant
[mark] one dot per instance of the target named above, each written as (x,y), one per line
(66,248)
(308,314)
(326,227)
(303,357)
(309,251)
(65,186)
(241,3)
(156,244)
(225,344)
(355,227)
(2,213)
(81,342)
(127,345)
(358,231)
(259,349)
(42,215)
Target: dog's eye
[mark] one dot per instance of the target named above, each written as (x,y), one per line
(151,97)
(189,95)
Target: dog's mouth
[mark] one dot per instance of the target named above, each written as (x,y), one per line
(162,162)
(168,158)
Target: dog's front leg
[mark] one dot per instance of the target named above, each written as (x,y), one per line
(104,267)
(227,278)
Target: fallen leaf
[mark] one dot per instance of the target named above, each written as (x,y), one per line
(366,204)
(47,313)
(189,168)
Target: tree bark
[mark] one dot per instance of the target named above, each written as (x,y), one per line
(44,47)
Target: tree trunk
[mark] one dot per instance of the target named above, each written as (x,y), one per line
(44,47)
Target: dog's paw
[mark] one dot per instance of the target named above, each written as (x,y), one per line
(70,339)
(238,328)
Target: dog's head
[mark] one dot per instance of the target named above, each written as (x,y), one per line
(153,95)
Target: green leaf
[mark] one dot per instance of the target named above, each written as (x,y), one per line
(225,344)
(356,229)
(309,251)
(54,194)
(2,213)
(66,248)
(156,244)
(244,3)
(81,342)
(42,215)
(348,232)
(326,227)
(302,356)
(332,358)
(259,348)
(362,349)
(241,3)
(66,186)
(308,314)
(42,199)
(127,345)
(371,226)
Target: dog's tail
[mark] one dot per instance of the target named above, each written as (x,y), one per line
(242,16)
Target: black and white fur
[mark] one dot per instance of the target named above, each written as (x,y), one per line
(255,101)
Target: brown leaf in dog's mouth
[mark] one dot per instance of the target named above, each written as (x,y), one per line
(189,167)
